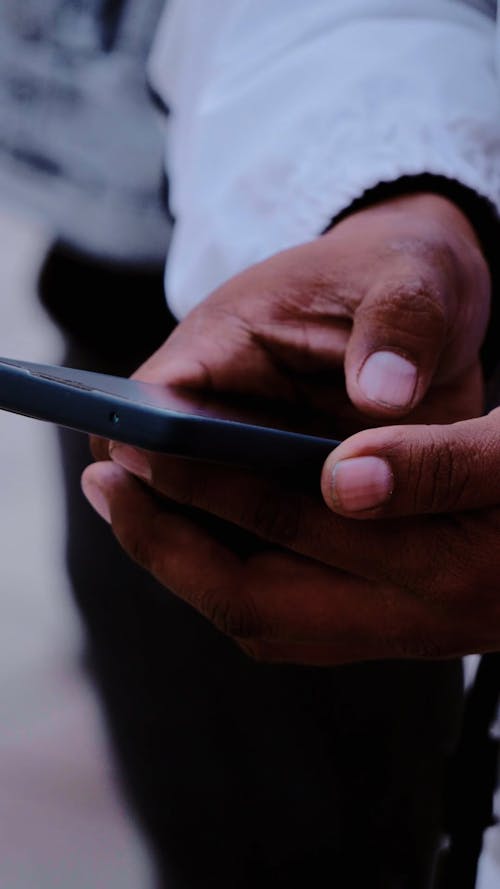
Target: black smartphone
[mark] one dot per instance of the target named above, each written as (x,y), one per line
(159,418)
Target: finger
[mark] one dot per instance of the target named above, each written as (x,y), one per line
(422,321)
(174,549)
(215,349)
(257,334)
(311,613)
(414,470)
(399,331)
(279,606)
(99,447)
(288,517)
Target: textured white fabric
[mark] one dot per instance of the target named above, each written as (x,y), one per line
(283,112)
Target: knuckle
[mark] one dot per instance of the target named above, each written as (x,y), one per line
(440,475)
(235,617)
(428,255)
(412,308)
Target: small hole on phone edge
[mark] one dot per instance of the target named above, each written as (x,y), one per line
(114,417)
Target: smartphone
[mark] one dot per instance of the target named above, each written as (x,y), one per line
(160,418)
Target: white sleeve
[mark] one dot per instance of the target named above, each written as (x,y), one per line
(413,94)
(303,107)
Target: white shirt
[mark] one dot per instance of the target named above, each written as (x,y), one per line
(285,111)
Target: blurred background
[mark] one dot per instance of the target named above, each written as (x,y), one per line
(62,821)
(80,142)
(81,148)
(81,166)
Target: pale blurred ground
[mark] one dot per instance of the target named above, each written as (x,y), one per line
(62,823)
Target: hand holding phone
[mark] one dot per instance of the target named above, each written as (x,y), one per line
(160,418)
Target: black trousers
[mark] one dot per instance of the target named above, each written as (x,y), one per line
(240,774)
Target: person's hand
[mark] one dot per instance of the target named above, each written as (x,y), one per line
(321,588)
(396,296)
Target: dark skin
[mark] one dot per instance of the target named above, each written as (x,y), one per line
(402,280)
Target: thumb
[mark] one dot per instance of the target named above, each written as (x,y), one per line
(395,344)
(413,470)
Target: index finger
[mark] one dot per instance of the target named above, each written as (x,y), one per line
(276,604)
(399,552)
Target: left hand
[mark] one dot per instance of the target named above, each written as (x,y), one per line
(322,589)
(382,317)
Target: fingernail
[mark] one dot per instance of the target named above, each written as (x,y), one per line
(97,499)
(388,379)
(131,459)
(361,483)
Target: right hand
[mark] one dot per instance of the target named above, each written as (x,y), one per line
(396,295)
(382,318)
(322,588)
(421,471)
